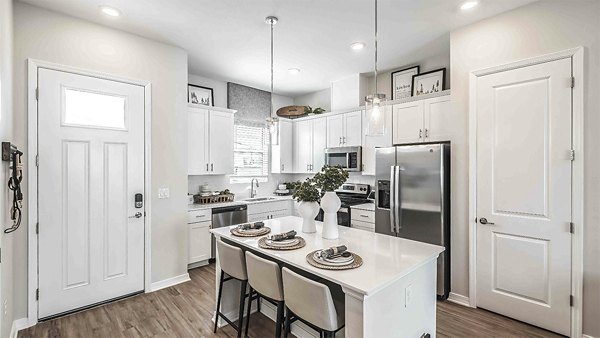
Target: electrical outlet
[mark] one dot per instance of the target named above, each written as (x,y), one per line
(5,307)
(408,295)
(163,192)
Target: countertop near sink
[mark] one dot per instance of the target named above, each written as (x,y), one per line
(238,202)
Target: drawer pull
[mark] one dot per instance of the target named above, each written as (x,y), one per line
(363,215)
(200,216)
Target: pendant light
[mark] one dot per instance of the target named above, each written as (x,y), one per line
(373,102)
(272,121)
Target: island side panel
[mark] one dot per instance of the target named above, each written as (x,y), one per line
(389,313)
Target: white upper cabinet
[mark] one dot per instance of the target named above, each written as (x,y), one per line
(282,158)
(344,130)
(310,141)
(438,119)
(408,122)
(210,141)
(377,141)
(198,141)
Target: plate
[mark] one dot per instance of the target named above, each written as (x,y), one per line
(286,242)
(335,261)
(250,231)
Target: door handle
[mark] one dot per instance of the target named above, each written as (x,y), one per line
(207,167)
(426,133)
(212,167)
(282,166)
(484,220)
(340,140)
(344,140)
(137,215)
(420,134)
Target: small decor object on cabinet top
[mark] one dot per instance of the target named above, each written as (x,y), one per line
(202,96)
(429,82)
(402,82)
(290,111)
(308,110)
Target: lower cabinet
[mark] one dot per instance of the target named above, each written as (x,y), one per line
(199,238)
(362,219)
(269,210)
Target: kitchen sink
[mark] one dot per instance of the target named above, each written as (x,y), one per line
(259,199)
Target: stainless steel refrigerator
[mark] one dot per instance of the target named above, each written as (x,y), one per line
(412,198)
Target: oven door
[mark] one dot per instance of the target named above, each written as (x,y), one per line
(343,216)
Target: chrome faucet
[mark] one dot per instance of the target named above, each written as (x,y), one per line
(252,190)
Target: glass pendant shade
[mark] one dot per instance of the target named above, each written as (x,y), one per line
(273,125)
(375,114)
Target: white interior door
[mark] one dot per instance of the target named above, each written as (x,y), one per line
(91,164)
(524,192)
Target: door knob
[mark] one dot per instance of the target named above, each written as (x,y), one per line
(137,215)
(485,221)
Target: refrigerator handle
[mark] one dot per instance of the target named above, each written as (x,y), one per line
(392,197)
(397,200)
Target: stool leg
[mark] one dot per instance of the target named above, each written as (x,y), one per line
(258,302)
(248,311)
(241,312)
(279,321)
(219,300)
(286,328)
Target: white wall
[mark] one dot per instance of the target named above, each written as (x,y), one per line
(540,28)
(54,37)
(219,88)
(6,123)
(321,98)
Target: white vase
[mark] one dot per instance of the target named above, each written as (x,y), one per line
(330,203)
(308,211)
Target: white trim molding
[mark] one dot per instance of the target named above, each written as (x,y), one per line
(577,191)
(32,193)
(165,283)
(18,325)
(459,299)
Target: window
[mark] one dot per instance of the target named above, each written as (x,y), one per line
(82,108)
(250,153)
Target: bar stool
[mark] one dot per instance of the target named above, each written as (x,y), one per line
(311,303)
(233,264)
(264,277)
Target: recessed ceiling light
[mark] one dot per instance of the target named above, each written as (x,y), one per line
(294,71)
(469,5)
(110,11)
(357,45)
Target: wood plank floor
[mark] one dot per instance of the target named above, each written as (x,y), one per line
(185,310)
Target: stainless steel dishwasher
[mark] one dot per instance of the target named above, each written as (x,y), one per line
(226,216)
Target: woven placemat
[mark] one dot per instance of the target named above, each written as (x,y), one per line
(355,264)
(263,232)
(263,244)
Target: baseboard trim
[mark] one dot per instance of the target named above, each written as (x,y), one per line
(18,325)
(587,336)
(198,264)
(165,283)
(297,328)
(459,299)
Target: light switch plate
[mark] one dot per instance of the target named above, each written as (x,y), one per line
(163,192)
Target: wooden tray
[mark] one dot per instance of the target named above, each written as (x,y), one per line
(290,111)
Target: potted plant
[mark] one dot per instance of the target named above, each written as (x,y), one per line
(308,110)
(308,196)
(328,180)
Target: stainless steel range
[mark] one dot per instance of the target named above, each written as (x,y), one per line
(350,194)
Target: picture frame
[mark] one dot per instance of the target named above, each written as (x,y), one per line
(429,82)
(402,82)
(201,96)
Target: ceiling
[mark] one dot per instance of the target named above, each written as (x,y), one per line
(229,40)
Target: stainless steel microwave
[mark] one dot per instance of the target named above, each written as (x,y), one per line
(349,158)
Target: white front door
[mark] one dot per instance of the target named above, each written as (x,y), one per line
(91,165)
(524,193)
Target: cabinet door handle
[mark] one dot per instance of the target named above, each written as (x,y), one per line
(340,140)
(212,167)
(426,133)
(363,215)
(282,166)
(420,134)
(344,140)
(206,166)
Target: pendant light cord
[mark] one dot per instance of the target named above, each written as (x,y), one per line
(271,112)
(376,47)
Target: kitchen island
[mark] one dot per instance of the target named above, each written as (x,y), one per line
(393,294)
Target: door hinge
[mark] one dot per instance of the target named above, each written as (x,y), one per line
(37,160)
(37,228)
(572,227)
(37,93)
(571,300)
(572,155)
(572,81)
(0,255)
(37,294)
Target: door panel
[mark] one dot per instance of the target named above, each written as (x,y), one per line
(198,139)
(221,127)
(89,171)
(302,146)
(335,131)
(524,188)
(353,129)
(319,137)
(408,122)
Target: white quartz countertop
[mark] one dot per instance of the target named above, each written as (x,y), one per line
(192,207)
(366,207)
(386,259)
